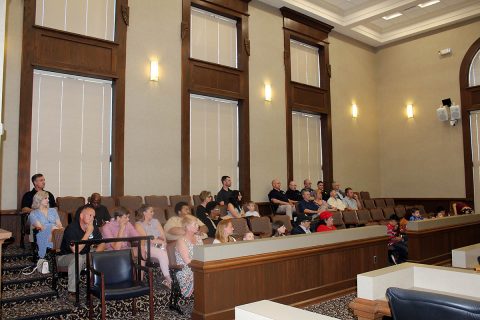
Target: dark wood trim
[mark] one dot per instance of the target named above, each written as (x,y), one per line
(60,51)
(330,268)
(466,94)
(430,204)
(210,79)
(304,98)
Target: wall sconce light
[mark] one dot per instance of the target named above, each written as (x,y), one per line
(268,92)
(154,70)
(354,111)
(409,111)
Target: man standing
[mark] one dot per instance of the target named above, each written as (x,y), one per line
(292,193)
(351,200)
(38,181)
(225,193)
(280,202)
(80,229)
(102,215)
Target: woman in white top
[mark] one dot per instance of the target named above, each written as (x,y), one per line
(335,203)
(148,226)
(224,232)
(234,206)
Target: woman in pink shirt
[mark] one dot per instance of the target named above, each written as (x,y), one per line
(119,227)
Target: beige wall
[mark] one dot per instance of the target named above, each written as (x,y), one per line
(9,146)
(421,157)
(152,116)
(355,141)
(381,151)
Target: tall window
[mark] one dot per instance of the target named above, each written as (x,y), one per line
(213,38)
(475,142)
(307,146)
(71,133)
(305,66)
(94,18)
(474,72)
(213,142)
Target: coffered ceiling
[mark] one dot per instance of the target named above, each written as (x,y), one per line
(367,20)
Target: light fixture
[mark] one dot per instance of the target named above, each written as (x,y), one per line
(268,92)
(409,111)
(153,70)
(428,3)
(354,111)
(392,16)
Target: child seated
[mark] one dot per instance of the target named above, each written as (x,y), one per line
(416,215)
(251,210)
(395,241)
(248,236)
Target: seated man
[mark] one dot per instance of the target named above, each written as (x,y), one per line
(334,202)
(279,201)
(80,229)
(307,185)
(303,226)
(174,229)
(102,215)
(339,193)
(292,193)
(351,200)
(38,181)
(119,227)
(225,193)
(308,207)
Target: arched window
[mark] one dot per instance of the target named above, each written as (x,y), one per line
(474,71)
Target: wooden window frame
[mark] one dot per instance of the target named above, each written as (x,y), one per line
(470,99)
(215,80)
(305,98)
(65,52)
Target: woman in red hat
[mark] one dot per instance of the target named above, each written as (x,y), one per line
(326,222)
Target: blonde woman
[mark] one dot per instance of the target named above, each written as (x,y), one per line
(148,226)
(44,219)
(224,232)
(201,211)
(184,253)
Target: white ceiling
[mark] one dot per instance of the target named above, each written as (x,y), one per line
(362,19)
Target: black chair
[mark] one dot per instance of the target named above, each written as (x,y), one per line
(116,277)
(412,305)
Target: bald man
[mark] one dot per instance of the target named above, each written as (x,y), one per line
(279,201)
(102,215)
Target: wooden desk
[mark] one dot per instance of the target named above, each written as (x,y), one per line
(295,270)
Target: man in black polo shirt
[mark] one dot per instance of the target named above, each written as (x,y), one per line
(225,193)
(307,206)
(102,215)
(280,202)
(307,185)
(80,229)
(292,193)
(38,181)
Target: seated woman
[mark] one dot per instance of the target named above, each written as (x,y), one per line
(224,232)
(201,210)
(148,226)
(322,204)
(184,254)
(279,229)
(119,227)
(326,222)
(334,202)
(234,205)
(211,218)
(44,219)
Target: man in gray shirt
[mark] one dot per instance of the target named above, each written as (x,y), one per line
(351,200)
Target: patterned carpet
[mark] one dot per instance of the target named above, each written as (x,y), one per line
(337,308)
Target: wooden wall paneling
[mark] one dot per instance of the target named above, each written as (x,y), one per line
(26,96)
(313,273)
(60,51)
(309,97)
(467,95)
(216,80)
(10,220)
(434,246)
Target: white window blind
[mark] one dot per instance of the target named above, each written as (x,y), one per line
(213,38)
(474,72)
(475,140)
(71,133)
(305,65)
(94,18)
(213,143)
(307,146)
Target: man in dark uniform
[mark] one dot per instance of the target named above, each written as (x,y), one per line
(102,215)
